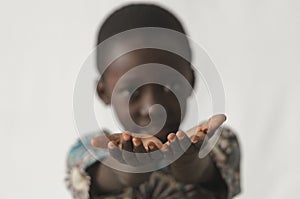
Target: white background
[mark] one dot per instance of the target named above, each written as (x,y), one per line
(254,43)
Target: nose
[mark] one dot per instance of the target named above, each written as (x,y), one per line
(150,96)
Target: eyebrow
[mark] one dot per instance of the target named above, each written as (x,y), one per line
(132,79)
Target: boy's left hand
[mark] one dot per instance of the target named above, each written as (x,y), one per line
(179,144)
(189,143)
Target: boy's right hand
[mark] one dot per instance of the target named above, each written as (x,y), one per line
(129,149)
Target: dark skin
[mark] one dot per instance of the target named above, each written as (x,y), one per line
(188,168)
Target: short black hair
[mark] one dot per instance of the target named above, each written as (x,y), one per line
(137,16)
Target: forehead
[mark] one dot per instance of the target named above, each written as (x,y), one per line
(146,56)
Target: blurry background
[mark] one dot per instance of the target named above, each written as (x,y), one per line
(255,45)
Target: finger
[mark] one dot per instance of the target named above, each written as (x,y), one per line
(115,152)
(155,154)
(127,152)
(201,133)
(171,137)
(138,147)
(140,152)
(216,121)
(102,140)
(196,141)
(168,154)
(212,124)
(152,146)
(183,139)
(127,142)
(174,145)
(147,140)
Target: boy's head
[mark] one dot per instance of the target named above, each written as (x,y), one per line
(138,16)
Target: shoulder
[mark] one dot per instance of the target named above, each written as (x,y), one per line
(81,153)
(79,158)
(227,155)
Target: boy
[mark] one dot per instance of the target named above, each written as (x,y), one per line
(215,176)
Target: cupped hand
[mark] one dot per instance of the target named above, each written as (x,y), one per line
(189,142)
(129,149)
(132,150)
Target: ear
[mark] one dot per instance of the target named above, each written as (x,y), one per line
(191,78)
(102,92)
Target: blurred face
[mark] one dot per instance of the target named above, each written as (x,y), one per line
(147,95)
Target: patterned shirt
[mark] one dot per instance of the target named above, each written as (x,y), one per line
(161,183)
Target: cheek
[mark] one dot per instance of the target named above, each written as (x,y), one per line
(176,110)
(122,110)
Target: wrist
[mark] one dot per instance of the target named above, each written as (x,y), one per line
(191,170)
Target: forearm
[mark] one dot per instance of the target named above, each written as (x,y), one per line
(189,168)
(108,179)
(200,171)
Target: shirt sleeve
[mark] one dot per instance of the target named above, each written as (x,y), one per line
(79,159)
(226,155)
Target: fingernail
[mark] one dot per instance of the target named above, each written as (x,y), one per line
(126,136)
(111,145)
(151,146)
(180,135)
(171,137)
(93,142)
(195,139)
(136,141)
